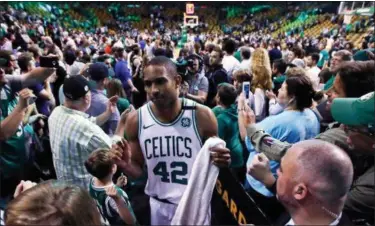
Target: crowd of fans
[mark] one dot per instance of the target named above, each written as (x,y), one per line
(301,140)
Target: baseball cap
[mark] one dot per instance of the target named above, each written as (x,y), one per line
(75,87)
(297,63)
(354,111)
(98,71)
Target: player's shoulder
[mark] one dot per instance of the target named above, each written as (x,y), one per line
(204,114)
(131,125)
(203,110)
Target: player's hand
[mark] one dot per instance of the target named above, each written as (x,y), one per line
(260,169)
(112,192)
(23,186)
(122,181)
(121,153)
(220,156)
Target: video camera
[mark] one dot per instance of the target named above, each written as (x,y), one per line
(184,63)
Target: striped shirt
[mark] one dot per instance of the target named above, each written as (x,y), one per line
(73,136)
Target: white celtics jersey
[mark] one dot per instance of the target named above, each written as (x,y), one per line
(169,151)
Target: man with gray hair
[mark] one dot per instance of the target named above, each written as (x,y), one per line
(314,179)
(338,58)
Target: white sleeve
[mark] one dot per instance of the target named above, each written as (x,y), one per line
(259,101)
(275,108)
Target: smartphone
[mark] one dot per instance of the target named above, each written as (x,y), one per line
(51,62)
(31,100)
(246,89)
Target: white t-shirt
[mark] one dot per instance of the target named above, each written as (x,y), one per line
(230,64)
(313,74)
(259,104)
(245,64)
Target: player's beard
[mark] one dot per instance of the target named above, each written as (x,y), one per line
(163,102)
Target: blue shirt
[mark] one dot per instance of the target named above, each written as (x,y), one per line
(122,73)
(288,126)
(42,104)
(98,106)
(142,44)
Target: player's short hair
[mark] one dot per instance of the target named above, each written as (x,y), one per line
(165,62)
(99,163)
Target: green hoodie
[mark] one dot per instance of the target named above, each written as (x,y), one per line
(227,120)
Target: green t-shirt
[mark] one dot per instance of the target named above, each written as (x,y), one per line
(237,55)
(107,206)
(13,150)
(323,57)
(228,130)
(279,79)
(329,83)
(122,104)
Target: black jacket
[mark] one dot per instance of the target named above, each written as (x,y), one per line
(215,76)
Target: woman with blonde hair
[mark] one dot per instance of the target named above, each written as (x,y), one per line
(262,81)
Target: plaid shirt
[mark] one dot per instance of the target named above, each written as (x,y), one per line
(73,136)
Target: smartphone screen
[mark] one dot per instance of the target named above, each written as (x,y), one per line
(246,89)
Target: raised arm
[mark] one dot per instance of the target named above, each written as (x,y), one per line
(36,75)
(11,123)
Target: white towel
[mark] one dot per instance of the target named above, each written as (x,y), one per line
(194,206)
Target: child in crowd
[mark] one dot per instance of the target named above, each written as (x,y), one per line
(112,201)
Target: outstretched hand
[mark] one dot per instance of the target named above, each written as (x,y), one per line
(121,153)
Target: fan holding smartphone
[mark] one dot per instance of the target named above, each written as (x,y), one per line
(246,89)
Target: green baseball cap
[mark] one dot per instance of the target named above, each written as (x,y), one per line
(354,111)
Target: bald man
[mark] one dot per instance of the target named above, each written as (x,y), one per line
(313,182)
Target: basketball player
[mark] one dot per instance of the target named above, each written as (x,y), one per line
(166,135)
